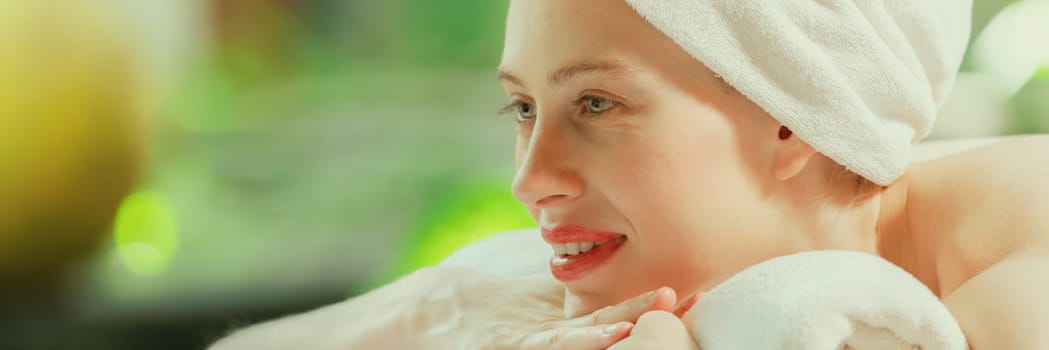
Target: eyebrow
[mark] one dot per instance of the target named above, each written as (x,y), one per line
(570,71)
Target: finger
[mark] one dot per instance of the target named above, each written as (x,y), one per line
(687,315)
(657,320)
(661,299)
(658,330)
(585,338)
(686,305)
(651,331)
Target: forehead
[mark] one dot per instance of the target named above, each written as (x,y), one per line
(580,16)
(556,32)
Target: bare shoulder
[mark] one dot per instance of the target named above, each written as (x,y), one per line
(512,253)
(934,149)
(982,204)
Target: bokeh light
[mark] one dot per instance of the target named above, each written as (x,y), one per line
(1013,46)
(463,214)
(145,233)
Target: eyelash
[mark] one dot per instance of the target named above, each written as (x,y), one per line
(514,106)
(513,109)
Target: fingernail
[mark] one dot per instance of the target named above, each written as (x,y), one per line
(651,296)
(613,329)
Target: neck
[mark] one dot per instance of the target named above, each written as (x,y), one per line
(896,242)
(834,216)
(878,225)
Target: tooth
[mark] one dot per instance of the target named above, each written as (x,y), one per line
(585,246)
(559,249)
(573,248)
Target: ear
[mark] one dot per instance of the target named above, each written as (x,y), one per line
(792,155)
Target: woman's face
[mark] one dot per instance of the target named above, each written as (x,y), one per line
(624,138)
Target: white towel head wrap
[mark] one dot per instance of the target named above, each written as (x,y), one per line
(858,80)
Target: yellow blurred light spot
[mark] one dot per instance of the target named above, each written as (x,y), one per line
(145,233)
(71,118)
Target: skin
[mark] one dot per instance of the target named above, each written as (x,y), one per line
(696,177)
(723,174)
(657,330)
(621,130)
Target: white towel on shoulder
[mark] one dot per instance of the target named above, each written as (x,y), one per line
(824,300)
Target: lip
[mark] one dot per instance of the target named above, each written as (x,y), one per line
(573,267)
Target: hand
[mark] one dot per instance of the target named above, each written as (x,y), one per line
(468,309)
(658,330)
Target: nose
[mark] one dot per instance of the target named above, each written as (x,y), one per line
(547,175)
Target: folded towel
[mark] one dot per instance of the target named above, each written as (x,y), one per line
(859,81)
(823,300)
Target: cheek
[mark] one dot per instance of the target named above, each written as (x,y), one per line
(683,192)
(691,167)
(520,147)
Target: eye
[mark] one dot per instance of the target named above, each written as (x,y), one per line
(525,112)
(520,110)
(597,104)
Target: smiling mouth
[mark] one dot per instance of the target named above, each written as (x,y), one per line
(580,250)
(576,248)
(568,266)
(565,250)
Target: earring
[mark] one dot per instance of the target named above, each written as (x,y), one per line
(784,133)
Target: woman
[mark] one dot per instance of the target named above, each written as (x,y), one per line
(644,169)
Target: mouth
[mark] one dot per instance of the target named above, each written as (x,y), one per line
(578,250)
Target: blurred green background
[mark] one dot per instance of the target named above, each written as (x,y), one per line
(173,169)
